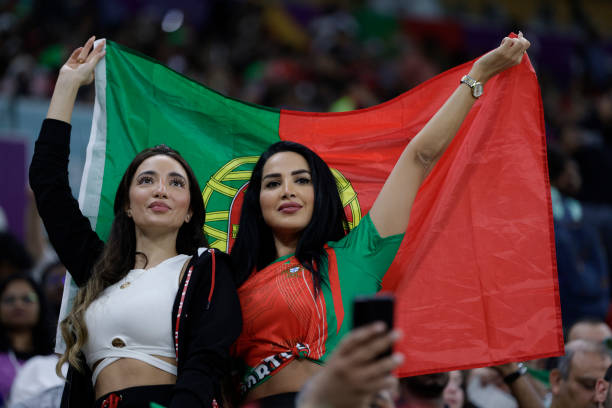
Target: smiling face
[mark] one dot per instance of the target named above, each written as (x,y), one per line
(159,195)
(287,194)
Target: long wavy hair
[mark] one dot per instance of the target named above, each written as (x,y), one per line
(254,247)
(42,333)
(119,254)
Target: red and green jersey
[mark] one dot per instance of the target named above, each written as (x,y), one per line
(284,319)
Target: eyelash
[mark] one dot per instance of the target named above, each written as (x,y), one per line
(301,180)
(145,179)
(177,182)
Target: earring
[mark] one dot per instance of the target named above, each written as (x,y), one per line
(187,218)
(129,213)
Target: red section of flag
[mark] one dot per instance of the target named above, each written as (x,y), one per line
(475,278)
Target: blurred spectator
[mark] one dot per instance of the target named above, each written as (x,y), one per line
(602,390)
(503,386)
(573,382)
(52,283)
(24,329)
(581,259)
(423,391)
(37,385)
(589,329)
(14,257)
(454,392)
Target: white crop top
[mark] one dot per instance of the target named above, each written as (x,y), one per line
(132,318)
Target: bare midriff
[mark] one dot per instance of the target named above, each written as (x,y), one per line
(290,378)
(127,372)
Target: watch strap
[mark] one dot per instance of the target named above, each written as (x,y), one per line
(474,85)
(469,81)
(512,377)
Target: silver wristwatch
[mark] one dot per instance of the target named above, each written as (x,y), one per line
(476,86)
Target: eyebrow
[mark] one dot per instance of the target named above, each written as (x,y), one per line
(293,173)
(154,173)
(175,174)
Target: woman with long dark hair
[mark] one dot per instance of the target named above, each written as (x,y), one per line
(24,327)
(298,269)
(156,312)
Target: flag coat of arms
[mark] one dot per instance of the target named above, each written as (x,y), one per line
(475,277)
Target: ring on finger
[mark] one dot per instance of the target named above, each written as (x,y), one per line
(80,60)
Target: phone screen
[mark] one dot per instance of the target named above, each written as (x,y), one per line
(370,309)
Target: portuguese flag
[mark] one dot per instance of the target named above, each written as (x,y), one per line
(475,278)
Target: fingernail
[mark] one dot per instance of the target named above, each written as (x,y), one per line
(398,358)
(396,334)
(520,33)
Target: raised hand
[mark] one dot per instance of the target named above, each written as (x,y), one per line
(82,62)
(508,54)
(77,71)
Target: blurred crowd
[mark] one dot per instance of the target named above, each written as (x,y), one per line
(339,55)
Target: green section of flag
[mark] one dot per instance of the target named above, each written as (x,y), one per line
(149,104)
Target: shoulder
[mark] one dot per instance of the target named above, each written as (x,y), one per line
(364,228)
(205,256)
(207,260)
(364,240)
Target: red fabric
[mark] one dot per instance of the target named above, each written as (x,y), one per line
(475,278)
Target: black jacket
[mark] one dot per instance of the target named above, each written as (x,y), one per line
(206,330)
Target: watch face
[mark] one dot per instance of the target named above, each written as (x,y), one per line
(477,90)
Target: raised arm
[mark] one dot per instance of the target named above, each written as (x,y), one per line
(70,233)
(391,210)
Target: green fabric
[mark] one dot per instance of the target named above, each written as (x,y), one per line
(147,99)
(363,258)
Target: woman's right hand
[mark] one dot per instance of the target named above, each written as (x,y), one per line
(79,69)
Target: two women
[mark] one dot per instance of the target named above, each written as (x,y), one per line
(157,312)
(297,267)
(298,271)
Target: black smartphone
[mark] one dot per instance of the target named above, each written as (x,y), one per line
(373,308)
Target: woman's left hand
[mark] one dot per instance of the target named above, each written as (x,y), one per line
(508,54)
(77,71)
